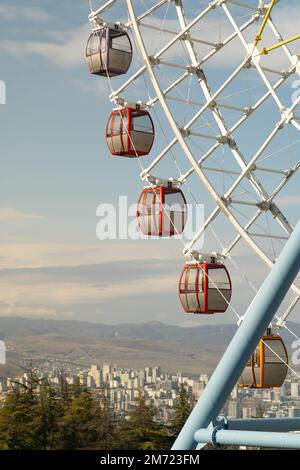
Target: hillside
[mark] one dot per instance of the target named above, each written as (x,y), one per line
(191,350)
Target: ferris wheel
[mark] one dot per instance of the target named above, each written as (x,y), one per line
(201,98)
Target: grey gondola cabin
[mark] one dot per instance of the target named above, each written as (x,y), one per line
(268,365)
(129,132)
(205,288)
(161,211)
(109,52)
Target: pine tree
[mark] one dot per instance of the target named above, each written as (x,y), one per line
(19,424)
(78,425)
(50,410)
(259,412)
(108,425)
(141,430)
(184,405)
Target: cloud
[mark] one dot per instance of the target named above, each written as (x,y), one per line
(69,53)
(99,88)
(21,309)
(124,282)
(11,13)
(66,48)
(46,291)
(12,214)
(51,254)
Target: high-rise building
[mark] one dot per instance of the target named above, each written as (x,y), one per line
(203,378)
(198,388)
(95,373)
(142,375)
(294,412)
(83,378)
(156,373)
(124,379)
(148,371)
(247,412)
(234,409)
(295,389)
(90,382)
(106,371)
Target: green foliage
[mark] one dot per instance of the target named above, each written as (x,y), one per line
(142,431)
(260,411)
(184,405)
(78,426)
(19,418)
(37,416)
(108,427)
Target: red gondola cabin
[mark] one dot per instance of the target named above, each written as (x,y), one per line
(109,52)
(161,211)
(268,365)
(205,288)
(129,132)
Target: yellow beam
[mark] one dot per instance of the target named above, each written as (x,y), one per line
(266,50)
(259,35)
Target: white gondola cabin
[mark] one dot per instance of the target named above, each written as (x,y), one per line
(205,288)
(268,365)
(109,52)
(161,211)
(129,132)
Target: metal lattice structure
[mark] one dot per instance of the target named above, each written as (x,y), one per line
(191,67)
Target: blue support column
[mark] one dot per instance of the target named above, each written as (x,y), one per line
(277,440)
(258,317)
(263,424)
(219,437)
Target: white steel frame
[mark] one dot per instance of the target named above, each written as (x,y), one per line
(249,169)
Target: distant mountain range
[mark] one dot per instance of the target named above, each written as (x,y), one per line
(14,327)
(193,350)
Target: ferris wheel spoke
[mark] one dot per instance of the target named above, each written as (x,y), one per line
(180,133)
(266,235)
(246,115)
(228,40)
(182,142)
(152,10)
(169,88)
(238,238)
(295,124)
(224,130)
(285,48)
(289,174)
(242,4)
(254,59)
(215,111)
(243,189)
(93,15)
(198,103)
(174,33)
(282,320)
(155,57)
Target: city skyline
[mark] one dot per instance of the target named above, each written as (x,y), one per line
(161,389)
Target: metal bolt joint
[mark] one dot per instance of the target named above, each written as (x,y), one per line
(214,437)
(153,61)
(221,421)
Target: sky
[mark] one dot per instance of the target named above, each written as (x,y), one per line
(56,170)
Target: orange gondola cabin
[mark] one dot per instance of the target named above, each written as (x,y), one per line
(129,132)
(205,288)
(161,211)
(108,52)
(268,365)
